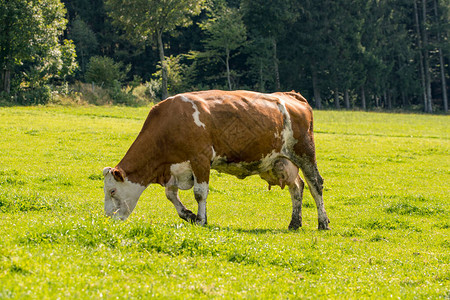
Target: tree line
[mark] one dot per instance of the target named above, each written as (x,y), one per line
(368,54)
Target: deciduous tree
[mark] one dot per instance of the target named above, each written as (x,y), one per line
(148,20)
(226,33)
(30,33)
(271,20)
(84,39)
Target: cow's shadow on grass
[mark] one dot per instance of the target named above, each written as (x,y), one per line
(255,231)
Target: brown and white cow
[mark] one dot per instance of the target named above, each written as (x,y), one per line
(237,132)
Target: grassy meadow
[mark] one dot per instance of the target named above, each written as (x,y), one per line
(387,195)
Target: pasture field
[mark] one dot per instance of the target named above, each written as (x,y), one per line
(387,194)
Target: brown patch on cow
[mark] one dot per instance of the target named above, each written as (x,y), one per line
(246,127)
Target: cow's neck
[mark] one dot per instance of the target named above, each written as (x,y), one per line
(139,163)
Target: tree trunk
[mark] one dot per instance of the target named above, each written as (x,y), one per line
(336,99)
(227,61)
(6,81)
(346,99)
(275,64)
(317,98)
(419,43)
(164,92)
(363,98)
(426,56)
(441,59)
(83,63)
(444,84)
(389,100)
(262,84)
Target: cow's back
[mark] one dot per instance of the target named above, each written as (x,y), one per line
(241,126)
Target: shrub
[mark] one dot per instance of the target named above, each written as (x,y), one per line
(143,94)
(91,94)
(36,95)
(176,75)
(120,96)
(105,72)
(153,89)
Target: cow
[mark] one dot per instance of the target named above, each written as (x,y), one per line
(241,133)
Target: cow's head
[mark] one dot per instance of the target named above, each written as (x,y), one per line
(121,195)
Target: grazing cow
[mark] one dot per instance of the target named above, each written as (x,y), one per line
(236,132)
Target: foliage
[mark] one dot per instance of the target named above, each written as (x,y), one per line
(270,19)
(105,72)
(259,60)
(386,193)
(225,32)
(144,20)
(84,39)
(30,43)
(153,89)
(363,53)
(175,76)
(84,94)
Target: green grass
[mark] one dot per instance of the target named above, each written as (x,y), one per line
(386,193)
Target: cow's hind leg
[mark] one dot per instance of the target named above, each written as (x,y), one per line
(296,191)
(284,172)
(183,212)
(315,184)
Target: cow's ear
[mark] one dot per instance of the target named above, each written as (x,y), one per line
(106,171)
(118,174)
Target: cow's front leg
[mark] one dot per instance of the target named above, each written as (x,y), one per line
(296,191)
(183,212)
(200,194)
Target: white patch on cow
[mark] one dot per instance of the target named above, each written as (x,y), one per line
(121,197)
(181,176)
(213,154)
(216,159)
(196,113)
(267,161)
(180,168)
(287,133)
(244,169)
(201,188)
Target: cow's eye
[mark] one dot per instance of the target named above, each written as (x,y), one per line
(113,192)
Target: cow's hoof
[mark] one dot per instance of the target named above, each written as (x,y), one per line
(189,216)
(295,225)
(200,222)
(323,225)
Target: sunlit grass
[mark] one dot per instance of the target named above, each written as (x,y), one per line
(386,193)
